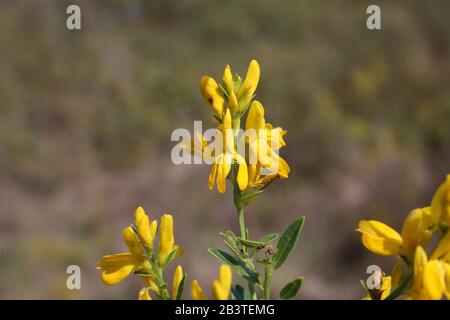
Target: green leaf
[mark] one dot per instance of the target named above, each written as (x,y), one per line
(260,243)
(169,258)
(240,293)
(181,287)
(232,242)
(237,264)
(290,290)
(287,242)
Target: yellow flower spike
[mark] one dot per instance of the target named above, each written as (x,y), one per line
(379,238)
(442,250)
(166,238)
(177,277)
(197,291)
(417,230)
(440,204)
(229,87)
(211,92)
(434,280)
(144,228)
(144,294)
(248,87)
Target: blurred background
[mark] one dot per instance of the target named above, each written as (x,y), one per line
(86,118)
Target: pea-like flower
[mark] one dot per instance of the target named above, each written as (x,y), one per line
(221,287)
(440,204)
(383,240)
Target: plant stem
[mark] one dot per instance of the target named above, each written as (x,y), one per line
(240,213)
(268,270)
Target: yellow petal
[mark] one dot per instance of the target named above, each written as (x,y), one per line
(116,267)
(440,204)
(219,291)
(212,94)
(255,119)
(248,87)
(385,287)
(222,172)
(442,250)
(417,230)
(225,277)
(242,176)
(150,283)
(212,175)
(229,87)
(420,260)
(380,238)
(197,291)
(434,280)
(131,240)
(143,227)
(144,294)
(166,238)
(177,276)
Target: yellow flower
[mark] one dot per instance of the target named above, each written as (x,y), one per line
(380,238)
(177,277)
(145,229)
(262,146)
(197,291)
(238,94)
(429,278)
(117,267)
(440,204)
(144,294)
(381,293)
(442,251)
(211,92)
(383,240)
(417,230)
(222,163)
(221,287)
(166,240)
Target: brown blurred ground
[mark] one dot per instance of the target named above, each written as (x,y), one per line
(86,118)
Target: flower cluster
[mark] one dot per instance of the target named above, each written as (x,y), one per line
(416,275)
(257,163)
(141,258)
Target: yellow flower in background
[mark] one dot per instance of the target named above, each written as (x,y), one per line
(440,204)
(166,240)
(383,292)
(380,238)
(117,267)
(262,146)
(221,287)
(177,277)
(146,230)
(197,291)
(383,240)
(222,163)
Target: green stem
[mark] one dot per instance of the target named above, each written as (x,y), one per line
(240,213)
(268,270)
(164,292)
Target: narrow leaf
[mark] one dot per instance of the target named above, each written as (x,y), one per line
(240,293)
(290,290)
(238,265)
(287,242)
